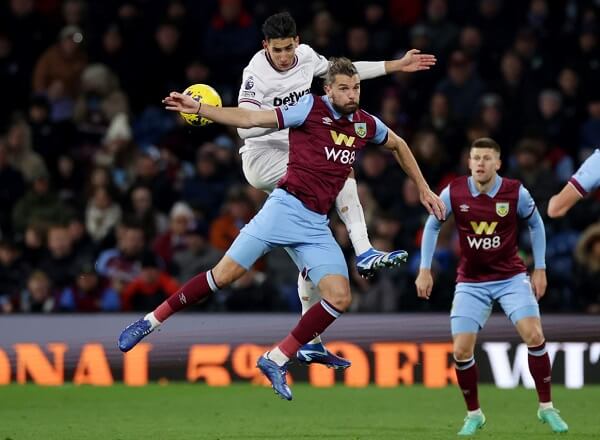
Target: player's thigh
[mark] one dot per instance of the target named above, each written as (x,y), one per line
(246,249)
(264,167)
(471,308)
(517,299)
(321,258)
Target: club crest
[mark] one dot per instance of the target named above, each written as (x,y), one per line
(502,208)
(361,129)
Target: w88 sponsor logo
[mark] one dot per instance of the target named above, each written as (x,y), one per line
(345,157)
(485,243)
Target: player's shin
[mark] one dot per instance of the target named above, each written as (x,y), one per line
(467,375)
(351,212)
(541,371)
(309,296)
(190,293)
(313,323)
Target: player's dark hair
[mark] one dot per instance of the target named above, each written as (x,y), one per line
(339,66)
(486,142)
(280,25)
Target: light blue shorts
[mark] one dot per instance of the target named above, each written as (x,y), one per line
(473,302)
(284,221)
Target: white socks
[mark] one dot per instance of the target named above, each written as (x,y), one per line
(476,412)
(277,356)
(546,405)
(309,296)
(153,321)
(350,211)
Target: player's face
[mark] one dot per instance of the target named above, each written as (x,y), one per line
(484,163)
(344,93)
(281,51)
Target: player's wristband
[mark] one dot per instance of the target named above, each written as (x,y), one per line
(199,107)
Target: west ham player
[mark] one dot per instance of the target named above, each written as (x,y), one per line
(487,208)
(281,74)
(584,181)
(325,134)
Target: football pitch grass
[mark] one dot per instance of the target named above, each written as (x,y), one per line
(194,411)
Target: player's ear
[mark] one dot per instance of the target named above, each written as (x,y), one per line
(498,164)
(296,41)
(265,44)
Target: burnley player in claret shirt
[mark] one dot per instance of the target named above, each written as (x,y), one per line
(325,133)
(487,209)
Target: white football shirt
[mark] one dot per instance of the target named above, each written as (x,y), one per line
(266,87)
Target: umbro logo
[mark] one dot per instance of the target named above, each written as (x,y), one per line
(464,208)
(327,120)
(182,298)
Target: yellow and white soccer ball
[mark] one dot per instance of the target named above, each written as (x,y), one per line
(204,94)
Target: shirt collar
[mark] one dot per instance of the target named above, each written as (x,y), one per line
(335,114)
(491,194)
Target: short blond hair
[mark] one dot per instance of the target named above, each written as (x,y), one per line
(339,66)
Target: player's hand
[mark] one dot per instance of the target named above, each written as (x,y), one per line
(414,61)
(539,283)
(433,204)
(178,102)
(424,283)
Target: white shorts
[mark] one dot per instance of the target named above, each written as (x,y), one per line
(264,167)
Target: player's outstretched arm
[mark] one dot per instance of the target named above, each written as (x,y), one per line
(234,116)
(407,161)
(563,201)
(412,61)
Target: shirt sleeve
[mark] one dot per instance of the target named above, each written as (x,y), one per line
(252,90)
(370,69)
(587,177)
(294,115)
(538,239)
(381,132)
(525,204)
(321,64)
(431,232)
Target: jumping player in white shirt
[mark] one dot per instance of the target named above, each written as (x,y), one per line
(280,74)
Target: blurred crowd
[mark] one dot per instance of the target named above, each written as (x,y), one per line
(110,202)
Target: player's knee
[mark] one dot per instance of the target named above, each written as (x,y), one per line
(462,353)
(339,297)
(533,337)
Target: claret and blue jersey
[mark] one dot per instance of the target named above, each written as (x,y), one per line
(323,147)
(587,177)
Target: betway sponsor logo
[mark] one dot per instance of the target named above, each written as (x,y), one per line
(290,99)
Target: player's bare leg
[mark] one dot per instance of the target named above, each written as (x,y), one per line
(368,260)
(467,375)
(199,287)
(530,330)
(335,290)
(314,351)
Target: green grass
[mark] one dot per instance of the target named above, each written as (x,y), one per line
(193,411)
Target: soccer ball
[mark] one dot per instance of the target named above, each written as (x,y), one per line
(204,94)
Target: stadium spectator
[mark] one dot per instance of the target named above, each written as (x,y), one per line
(62,62)
(61,264)
(39,205)
(143,212)
(207,187)
(587,275)
(181,221)
(37,297)
(89,293)
(20,150)
(102,214)
(198,255)
(14,270)
(12,188)
(151,287)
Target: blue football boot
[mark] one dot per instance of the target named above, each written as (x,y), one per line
(276,376)
(134,333)
(318,354)
(372,260)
